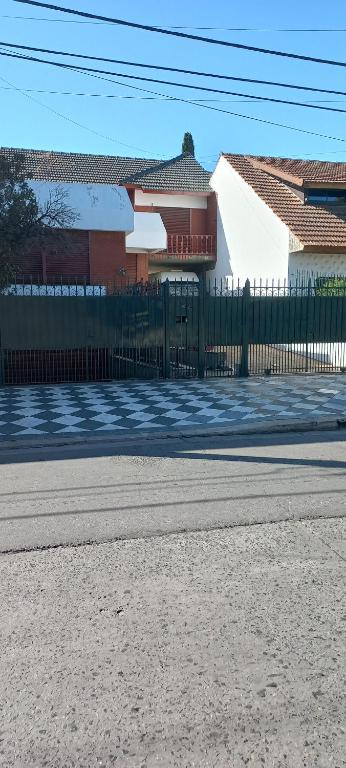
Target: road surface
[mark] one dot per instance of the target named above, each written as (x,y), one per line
(204,625)
(95,493)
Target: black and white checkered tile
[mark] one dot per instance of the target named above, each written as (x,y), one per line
(116,406)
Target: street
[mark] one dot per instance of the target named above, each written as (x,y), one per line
(175,602)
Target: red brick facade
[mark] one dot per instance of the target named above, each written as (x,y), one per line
(107,256)
(100,257)
(95,257)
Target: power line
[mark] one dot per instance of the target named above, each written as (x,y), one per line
(259,29)
(173,69)
(70,119)
(144,98)
(175,26)
(265,99)
(205,106)
(182,35)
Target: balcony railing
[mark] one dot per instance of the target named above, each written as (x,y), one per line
(191,245)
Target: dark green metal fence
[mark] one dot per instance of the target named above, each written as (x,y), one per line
(174,330)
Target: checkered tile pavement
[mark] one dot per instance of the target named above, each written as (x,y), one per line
(116,406)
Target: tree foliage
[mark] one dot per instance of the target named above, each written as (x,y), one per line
(24,223)
(188,146)
(330,286)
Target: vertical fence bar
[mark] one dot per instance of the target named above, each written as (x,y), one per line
(166,334)
(308,315)
(244,362)
(2,364)
(201,325)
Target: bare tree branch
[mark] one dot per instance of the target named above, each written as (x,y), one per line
(24,223)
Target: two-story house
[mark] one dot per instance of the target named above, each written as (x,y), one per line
(173,227)
(279,218)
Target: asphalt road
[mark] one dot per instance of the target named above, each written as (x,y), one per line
(99,492)
(206,631)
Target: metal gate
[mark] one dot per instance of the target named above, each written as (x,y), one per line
(174,330)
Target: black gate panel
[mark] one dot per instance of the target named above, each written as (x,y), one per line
(174,330)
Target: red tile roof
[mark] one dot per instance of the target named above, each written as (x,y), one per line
(307,170)
(179,174)
(314,225)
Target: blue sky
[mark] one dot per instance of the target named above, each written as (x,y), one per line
(155,128)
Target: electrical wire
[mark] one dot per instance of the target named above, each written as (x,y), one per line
(270,99)
(174,26)
(214,109)
(182,35)
(172,69)
(202,106)
(70,119)
(145,98)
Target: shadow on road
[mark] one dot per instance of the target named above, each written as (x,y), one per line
(209,447)
(154,486)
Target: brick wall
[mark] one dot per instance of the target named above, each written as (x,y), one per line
(142,267)
(107,256)
(84,256)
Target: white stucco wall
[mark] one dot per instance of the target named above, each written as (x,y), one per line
(149,234)
(170,201)
(102,207)
(301,263)
(252,242)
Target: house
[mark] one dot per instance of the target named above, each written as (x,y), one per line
(104,217)
(279,218)
(173,225)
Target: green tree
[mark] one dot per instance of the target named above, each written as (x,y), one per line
(188,146)
(330,286)
(23,222)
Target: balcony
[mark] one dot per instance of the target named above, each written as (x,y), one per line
(187,248)
(191,245)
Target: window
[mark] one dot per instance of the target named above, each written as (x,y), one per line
(326,196)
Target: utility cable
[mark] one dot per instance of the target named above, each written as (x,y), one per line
(174,26)
(269,99)
(182,35)
(202,106)
(70,119)
(147,98)
(172,69)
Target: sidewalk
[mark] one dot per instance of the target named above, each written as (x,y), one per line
(129,407)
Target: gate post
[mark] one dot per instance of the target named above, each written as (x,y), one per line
(201,326)
(2,371)
(166,367)
(244,362)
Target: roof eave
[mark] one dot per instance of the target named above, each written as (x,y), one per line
(168,191)
(316,184)
(318,248)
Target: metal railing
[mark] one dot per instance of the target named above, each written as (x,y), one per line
(33,285)
(191,245)
(73,332)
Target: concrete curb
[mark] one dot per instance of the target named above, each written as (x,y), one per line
(267,427)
